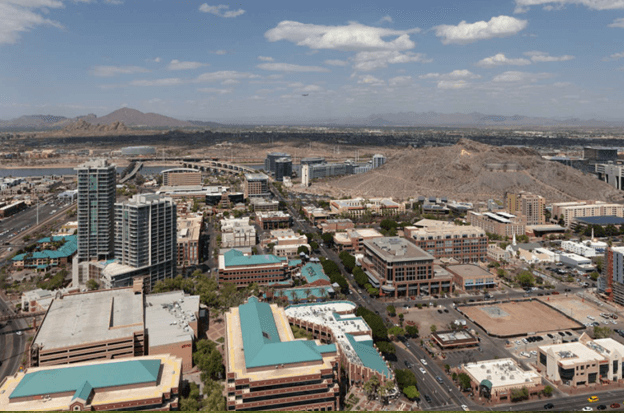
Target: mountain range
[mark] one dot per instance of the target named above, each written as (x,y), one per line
(134,118)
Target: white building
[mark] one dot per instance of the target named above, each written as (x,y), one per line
(496,379)
(305,175)
(237,232)
(574,260)
(585,248)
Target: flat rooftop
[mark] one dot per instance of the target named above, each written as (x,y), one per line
(501,373)
(85,318)
(469,270)
(256,177)
(163,310)
(397,249)
(570,354)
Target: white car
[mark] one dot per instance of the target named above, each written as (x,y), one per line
(19,333)
(423,371)
(588,409)
(465,408)
(423,361)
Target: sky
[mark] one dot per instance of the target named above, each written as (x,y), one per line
(290,61)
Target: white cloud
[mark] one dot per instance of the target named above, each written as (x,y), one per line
(287,67)
(173,81)
(156,60)
(266,58)
(614,56)
(178,65)
(215,90)
(545,57)
(223,76)
(219,52)
(454,75)
(619,23)
(370,80)
(109,71)
(452,84)
(353,37)
(523,6)
(464,33)
(18,16)
(500,60)
(400,81)
(385,19)
(228,82)
(221,10)
(155,100)
(516,77)
(367,61)
(562,84)
(336,62)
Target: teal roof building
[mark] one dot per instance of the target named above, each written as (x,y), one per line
(262,344)
(236,258)
(313,272)
(82,380)
(68,249)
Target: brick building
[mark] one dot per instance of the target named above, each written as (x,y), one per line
(273,220)
(351,240)
(182,177)
(257,185)
(529,205)
(189,241)
(235,267)
(499,223)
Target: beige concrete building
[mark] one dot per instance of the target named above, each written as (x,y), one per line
(358,206)
(570,210)
(336,225)
(286,242)
(495,379)
(182,177)
(118,323)
(499,223)
(237,232)
(188,240)
(529,205)
(584,363)
(470,277)
(351,240)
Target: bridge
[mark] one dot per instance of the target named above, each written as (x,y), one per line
(131,174)
(218,166)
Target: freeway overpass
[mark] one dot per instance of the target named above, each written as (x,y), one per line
(218,166)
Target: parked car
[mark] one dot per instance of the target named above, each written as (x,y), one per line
(593,399)
(427,398)
(465,408)
(548,406)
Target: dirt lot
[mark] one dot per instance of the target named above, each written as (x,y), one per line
(576,308)
(518,318)
(426,317)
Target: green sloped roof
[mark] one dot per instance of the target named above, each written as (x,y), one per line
(261,342)
(313,272)
(235,258)
(83,392)
(486,383)
(369,355)
(68,249)
(294,263)
(97,376)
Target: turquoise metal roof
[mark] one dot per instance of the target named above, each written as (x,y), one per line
(301,292)
(294,263)
(261,342)
(79,378)
(369,355)
(313,272)
(84,392)
(234,258)
(67,250)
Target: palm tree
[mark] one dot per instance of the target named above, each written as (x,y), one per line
(323,293)
(293,295)
(308,293)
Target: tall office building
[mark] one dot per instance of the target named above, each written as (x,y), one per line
(145,236)
(283,168)
(96,202)
(269,162)
(527,204)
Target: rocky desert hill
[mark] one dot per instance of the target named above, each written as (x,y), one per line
(133,117)
(470,171)
(84,128)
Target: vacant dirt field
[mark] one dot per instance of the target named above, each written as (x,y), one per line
(576,308)
(426,317)
(518,318)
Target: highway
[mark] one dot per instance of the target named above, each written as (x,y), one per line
(11,343)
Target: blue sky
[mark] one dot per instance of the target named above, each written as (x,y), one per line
(255,60)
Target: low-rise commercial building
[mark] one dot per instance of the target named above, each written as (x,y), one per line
(264,204)
(336,225)
(447,240)
(144,383)
(242,270)
(273,220)
(286,243)
(400,269)
(53,252)
(580,263)
(470,277)
(454,339)
(351,240)
(499,223)
(237,232)
(496,379)
(317,215)
(358,206)
(585,248)
(11,209)
(117,323)
(586,362)
(182,177)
